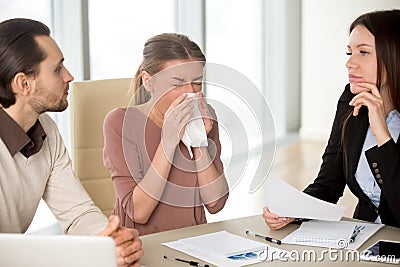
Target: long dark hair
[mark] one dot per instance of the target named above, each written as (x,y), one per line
(19,52)
(381,24)
(156,52)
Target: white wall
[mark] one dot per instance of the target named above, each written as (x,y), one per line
(324,38)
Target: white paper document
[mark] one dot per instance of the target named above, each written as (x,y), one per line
(226,249)
(287,201)
(332,234)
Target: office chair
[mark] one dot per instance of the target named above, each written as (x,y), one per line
(90,101)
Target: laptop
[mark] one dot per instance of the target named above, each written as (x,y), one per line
(18,250)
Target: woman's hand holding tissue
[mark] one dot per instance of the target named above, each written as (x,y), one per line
(205,113)
(175,121)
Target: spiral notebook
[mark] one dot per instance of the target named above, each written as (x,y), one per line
(332,234)
(225,249)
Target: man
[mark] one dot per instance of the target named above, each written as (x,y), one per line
(34,162)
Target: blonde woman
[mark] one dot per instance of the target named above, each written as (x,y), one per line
(158,185)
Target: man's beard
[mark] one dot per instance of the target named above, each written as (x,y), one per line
(62,105)
(40,102)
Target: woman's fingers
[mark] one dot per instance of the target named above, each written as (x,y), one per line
(362,87)
(369,97)
(372,99)
(366,96)
(367,88)
(368,100)
(175,104)
(178,110)
(372,103)
(275,224)
(175,120)
(274,221)
(185,116)
(205,113)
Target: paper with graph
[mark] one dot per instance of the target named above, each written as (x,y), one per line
(226,249)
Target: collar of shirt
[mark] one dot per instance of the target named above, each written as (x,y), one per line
(393,116)
(15,139)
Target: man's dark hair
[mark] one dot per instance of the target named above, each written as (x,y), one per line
(19,52)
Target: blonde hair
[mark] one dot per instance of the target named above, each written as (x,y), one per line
(156,52)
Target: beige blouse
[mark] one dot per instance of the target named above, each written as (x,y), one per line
(130,143)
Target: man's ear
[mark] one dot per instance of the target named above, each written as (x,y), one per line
(21,84)
(147,83)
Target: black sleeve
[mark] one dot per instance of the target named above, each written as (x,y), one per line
(384,164)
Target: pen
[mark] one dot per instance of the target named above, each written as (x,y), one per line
(354,235)
(270,239)
(192,263)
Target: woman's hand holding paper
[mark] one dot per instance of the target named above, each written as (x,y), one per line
(273,220)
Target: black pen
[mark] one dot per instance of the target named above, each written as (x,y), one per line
(354,235)
(270,239)
(192,263)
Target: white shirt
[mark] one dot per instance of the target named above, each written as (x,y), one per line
(364,176)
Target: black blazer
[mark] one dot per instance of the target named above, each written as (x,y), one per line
(334,173)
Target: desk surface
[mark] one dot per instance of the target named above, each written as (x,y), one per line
(154,251)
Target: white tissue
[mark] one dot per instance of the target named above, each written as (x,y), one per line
(195,134)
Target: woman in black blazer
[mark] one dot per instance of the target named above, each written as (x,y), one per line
(363,149)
